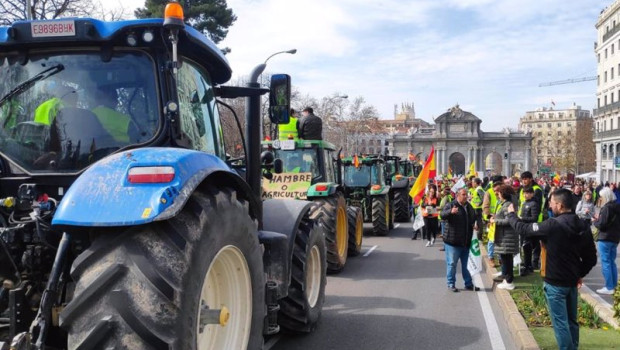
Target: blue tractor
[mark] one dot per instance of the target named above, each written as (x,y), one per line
(123,224)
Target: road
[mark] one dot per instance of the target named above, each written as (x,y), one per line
(394,296)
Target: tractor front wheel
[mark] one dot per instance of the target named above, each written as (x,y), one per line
(332,216)
(195,281)
(401,205)
(380,215)
(301,310)
(356,230)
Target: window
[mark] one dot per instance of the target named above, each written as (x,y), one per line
(559,124)
(539,125)
(612,97)
(197,110)
(605,53)
(540,116)
(568,133)
(612,73)
(549,125)
(559,143)
(540,142)
(569,124)
(611,124)
(551,115)
(540,134)
(605,100)
(605,77)
(560,115)
(548,133)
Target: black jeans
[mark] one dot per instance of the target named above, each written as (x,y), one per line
(431,227)
(507,267)
(531,253)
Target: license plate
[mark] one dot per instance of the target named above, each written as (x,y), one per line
(287,145)
(52,28)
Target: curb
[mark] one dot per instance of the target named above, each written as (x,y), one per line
(519,331)
(600,306)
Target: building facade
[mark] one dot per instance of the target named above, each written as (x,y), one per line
(561,139)
(459,142)
(607,114)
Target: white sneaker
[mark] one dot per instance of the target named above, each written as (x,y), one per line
(497,274)
(605,291)
(428,244)
(505,285)
(432,241)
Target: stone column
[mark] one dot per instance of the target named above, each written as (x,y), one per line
(527,165)
(476,158)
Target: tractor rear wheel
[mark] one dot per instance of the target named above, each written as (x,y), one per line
(300,311)
(380,215)
(195,281)
(401,205)
(356,230)
(332,216)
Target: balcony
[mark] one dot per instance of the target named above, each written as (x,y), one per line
(605,109)
(606,134)
(610,33)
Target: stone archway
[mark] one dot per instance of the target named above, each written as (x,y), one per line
(457,163)
(493,164)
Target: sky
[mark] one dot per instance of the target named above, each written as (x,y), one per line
(489,56)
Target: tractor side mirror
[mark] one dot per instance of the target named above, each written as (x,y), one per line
(280,98)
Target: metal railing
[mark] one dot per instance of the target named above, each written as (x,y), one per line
(610,33)
(604,109)
(606,134)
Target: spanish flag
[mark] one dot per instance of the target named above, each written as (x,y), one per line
(419,187)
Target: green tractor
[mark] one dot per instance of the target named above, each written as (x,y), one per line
(365,187)
(399,175)
(305,169)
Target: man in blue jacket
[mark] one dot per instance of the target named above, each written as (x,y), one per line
(570,255)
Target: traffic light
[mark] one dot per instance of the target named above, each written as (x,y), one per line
(506,155)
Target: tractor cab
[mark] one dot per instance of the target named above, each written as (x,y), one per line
(304,156)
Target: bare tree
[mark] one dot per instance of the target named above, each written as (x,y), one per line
(15,10)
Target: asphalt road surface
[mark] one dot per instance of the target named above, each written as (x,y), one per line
(394,296)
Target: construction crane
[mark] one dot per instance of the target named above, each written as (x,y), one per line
(567,81)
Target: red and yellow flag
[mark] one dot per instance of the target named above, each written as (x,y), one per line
(432,173)
(417,191)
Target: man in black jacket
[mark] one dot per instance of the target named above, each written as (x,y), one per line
(310,126)
(570,255)
(460,217)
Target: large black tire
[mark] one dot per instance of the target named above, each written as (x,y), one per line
(301,310)
(147,287)
(401,205)
(380,215)
(391,214)
(356,230)
(332,216)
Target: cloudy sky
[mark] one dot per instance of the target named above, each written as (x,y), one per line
(489,56)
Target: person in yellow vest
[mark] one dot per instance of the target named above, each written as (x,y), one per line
(477,195)
(289,131)
(489,204)
(114,122)
(531,246)
(46,112)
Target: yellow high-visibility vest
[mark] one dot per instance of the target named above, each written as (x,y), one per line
(522,200)
(284,130)
(46,112)
(113,122)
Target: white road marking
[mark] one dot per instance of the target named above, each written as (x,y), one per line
(396,225)
(370,250)
(271,342)
(497,343)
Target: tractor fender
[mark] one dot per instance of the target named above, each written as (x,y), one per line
(383,191)
(403,183)
(283,216)
(314,192)
(103,196)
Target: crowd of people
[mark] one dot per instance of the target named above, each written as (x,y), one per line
(551,226)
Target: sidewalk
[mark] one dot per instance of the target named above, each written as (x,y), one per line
(521,334)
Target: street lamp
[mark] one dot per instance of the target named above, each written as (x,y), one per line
(253,128)
(258,70)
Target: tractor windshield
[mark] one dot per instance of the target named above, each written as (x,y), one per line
(357,177)
(299,161)
(60,112)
